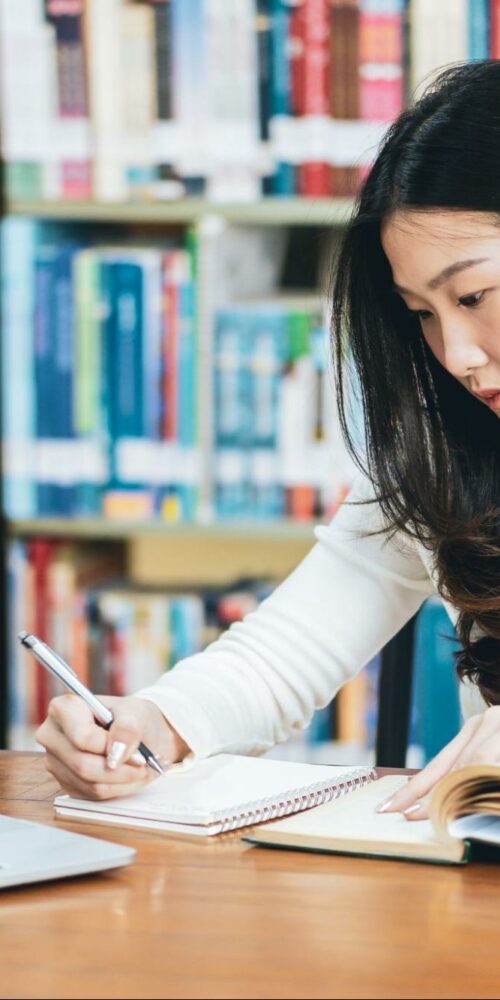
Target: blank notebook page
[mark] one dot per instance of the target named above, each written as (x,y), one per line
(229,789)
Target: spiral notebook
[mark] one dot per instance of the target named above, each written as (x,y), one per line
(220,793)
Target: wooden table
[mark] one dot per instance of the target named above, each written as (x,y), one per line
(226,920)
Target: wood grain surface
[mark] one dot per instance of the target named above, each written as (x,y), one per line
(227,920)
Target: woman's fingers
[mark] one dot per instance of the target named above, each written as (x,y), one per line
(418,810)
(102,787)
(69,715)
(484,745)
(419,786)
(83,756)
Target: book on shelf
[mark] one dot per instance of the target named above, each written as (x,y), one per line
(104,338)
(100,390)
(117,635)
(164,98)
(464,822)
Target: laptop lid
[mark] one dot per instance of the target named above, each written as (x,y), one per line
(33,852)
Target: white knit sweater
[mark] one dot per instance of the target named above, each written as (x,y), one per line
(263,679)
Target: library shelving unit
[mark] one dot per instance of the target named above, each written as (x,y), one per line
(158,553)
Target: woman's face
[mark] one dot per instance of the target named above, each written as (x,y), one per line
(446,268)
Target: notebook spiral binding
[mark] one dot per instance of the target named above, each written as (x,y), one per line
(302,799)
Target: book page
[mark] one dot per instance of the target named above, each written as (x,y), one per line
(351,823)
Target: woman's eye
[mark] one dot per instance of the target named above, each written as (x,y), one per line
(421,314)
(471,300)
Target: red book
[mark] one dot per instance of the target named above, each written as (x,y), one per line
(495,29)
(314,27)
(40,553)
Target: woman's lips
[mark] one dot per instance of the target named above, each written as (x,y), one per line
(491,397)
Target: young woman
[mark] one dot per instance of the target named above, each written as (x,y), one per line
(416,320)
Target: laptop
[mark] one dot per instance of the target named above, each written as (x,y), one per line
(34,852)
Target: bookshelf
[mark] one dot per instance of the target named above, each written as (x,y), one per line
(278,190)
(323,212)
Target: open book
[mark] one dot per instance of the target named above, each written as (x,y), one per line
(464,812)
(220,793)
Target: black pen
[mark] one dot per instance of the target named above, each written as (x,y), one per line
(57,666)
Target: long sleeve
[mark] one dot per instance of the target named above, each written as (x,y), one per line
(265,676)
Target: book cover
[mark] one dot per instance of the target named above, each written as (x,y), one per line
(478,29)
(103,36)
(72,125)
(313,98)
(18,241)
(283,180)
(138,88)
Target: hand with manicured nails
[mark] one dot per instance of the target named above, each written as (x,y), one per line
(478,742)
(97,763)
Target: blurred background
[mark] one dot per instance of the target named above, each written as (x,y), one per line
(175,177)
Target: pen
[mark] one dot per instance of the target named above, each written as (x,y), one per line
(57,666)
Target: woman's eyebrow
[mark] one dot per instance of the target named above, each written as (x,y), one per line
(446,273)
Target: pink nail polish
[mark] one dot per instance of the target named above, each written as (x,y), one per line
(412,809)
(384,805)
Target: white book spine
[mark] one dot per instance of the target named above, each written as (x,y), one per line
(104,39)
(232,136)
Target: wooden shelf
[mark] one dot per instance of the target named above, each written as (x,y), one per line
(104,528)
(268,211)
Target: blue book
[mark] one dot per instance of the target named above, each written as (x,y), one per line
(284,181)
(268,355)
(87,380)
(125,377)
(478,29)
(232,412)
(44,316)
(188,28)
(150,260)
(18,708)
(436,709)
(62,368)
(187,367)
(18,241)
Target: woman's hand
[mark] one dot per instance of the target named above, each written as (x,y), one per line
(478,742)
(96,763)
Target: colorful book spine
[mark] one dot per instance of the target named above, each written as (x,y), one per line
(381,60)
(478,29)
(72,124)
(345,104)
(28,100)
(104,69)
(18,241)
(434,681)
(269,348)
(232,423)
(138,88)
(494,29)
(314,97)
(88,374)
(283,181)
(189,25)
(263,30)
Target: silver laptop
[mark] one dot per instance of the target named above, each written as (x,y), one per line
(33,852)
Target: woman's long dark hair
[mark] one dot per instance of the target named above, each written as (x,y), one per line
(432,449)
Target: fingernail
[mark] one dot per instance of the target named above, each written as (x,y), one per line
(384,805)
(116,754)
(137,759)
(412,809)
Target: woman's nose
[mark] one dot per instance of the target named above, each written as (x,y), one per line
(462,353)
